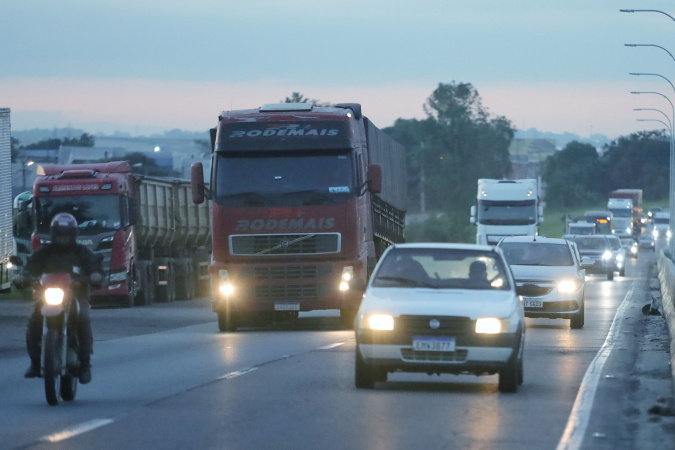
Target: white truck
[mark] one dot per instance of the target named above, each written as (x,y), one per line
(622,208)
(6,234)
(506,208)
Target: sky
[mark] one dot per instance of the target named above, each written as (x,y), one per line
(147,66)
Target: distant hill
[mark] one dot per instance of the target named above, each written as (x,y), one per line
(27,137)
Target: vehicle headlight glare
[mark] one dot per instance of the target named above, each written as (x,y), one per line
(54,296)
(567,286)
(226,289)
(488,325)
(655,233)
(619,257)
(381,322)
(668,234)
(607,255)
(629,231)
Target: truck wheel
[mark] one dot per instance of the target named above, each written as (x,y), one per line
(610,275)
(227,322)
(347,316)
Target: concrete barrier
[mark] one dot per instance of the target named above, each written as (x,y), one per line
(666,270)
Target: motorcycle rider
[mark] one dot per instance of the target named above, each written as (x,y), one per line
(62,252)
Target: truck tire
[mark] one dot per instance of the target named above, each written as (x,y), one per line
(227,322)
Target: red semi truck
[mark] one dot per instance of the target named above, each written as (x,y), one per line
(153,240)
(303,199)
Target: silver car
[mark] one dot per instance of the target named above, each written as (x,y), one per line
(549,276)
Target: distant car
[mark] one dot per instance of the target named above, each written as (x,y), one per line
(646,241)
(598,251)
(440,308)
(549,276)
(619,255)
(630,246)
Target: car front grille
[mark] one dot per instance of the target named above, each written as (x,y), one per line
(534,288)
(448,325)
(410,355)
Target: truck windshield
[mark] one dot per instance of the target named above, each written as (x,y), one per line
(507,213)
(283,179)
(623,212)
(94,213)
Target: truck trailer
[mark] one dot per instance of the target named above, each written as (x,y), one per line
(506,208)
(6,234)
(304,199)
(153,240)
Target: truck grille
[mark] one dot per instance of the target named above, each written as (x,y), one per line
(450,326)
(285,244)
(288,272)
(289,291)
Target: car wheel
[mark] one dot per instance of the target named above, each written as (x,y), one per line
(577,321)
(610,275)
(509,376)
(521,374)
(364,375)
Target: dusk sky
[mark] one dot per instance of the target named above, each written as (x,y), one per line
(145,66)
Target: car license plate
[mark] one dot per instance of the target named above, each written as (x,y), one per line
(532,302)
(286,306)
(433,344)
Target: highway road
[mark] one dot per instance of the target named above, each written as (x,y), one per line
(164,377)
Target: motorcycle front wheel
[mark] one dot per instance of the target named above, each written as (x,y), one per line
(52,366)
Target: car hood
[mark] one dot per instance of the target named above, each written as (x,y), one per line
(442,302)
(544,272)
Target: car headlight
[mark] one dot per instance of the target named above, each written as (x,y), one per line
(629,230)
(379,322)
(491,325)
(567,286)
(655,233)
(607,255)
(619,258)
(54,296)
(634,249)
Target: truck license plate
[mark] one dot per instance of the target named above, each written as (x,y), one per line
(286,306)
(433,344)
(532,302)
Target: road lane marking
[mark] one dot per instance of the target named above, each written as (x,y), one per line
(77,430)
(237,373)
(573,436)
(329,346)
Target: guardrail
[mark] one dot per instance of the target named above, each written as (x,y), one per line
(666,270)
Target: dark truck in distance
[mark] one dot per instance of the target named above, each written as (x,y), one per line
(304,200)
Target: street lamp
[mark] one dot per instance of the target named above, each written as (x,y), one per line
(646,10)
(670,125)
(671,191)
(651,45)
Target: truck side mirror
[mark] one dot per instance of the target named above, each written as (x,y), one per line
(473,214)
(197,180)
(374,175)
(540,211)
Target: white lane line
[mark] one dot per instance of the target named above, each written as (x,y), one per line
(237,373)
(328,347)
(77,430)
(577,423)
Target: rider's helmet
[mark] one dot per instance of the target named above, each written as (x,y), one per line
(63,229)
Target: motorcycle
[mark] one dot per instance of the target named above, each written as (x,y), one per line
(59,358)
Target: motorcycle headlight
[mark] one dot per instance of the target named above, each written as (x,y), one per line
(54,296)
(226,289)
(607,255)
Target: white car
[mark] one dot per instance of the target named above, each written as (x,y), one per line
(549,275)
(440,308)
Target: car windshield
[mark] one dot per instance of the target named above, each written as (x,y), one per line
(537,254)
(441,268)
(590,243)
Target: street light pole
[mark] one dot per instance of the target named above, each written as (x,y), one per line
(646,10)
(671,203)
(651,45)
(670,125)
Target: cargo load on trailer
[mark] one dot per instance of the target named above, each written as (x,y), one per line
(304,199)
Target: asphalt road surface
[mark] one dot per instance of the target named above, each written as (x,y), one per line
(164,377)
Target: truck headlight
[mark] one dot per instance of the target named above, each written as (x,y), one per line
(347,274)
(54,296)
(118,277)
(226,289)
(379,322)
(491,325)
(607,255)
(629,230)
